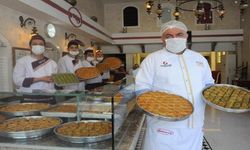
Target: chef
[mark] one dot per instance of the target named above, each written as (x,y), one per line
(88,62)
(184,72)
(99,59)
(70,63)
(33,72)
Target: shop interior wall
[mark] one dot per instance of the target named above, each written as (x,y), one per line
(92,8)
(151,24)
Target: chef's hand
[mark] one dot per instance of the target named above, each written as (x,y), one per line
(47,79)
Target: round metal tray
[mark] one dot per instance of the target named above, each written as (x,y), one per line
(22,113)
(165,118)
(220,107)
(82,139)
(29,133)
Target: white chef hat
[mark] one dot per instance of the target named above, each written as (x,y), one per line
(173,24)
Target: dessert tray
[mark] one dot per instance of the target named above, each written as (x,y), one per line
(113,62)
(86,131)
(165,106)
(85,73)
(23,109)
(28,127)
(229,98)
(65,79)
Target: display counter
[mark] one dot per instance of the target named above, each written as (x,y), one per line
(124,131)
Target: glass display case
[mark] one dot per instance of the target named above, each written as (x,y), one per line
(109,102)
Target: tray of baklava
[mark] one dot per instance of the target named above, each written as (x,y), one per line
(28,127)
(85,131)
(164,105)
(61,110)
(23,109)
(96,110)
(229,98)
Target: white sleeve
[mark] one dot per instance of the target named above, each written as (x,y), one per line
(61,66)
(145,76)
(19,73)
(207,76)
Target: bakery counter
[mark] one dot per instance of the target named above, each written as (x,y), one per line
(125,138)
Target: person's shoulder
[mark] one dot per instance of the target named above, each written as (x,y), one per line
(157,53)
(24,58)
(195,54)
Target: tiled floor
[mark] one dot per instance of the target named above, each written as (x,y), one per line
(227,131)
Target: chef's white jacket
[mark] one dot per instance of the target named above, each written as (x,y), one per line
(185,75)
(29,67)
(65,65)
(94,80)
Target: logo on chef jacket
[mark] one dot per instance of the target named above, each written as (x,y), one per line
(166,64)
(75,17)
(199,64)
(165,131)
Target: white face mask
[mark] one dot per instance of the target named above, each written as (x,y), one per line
(38,49)
(73,53)
(89,59)
(99,59)
(176,45)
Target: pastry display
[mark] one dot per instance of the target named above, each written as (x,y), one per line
(102,67)
(164,105)
(85,129)
(28,124)
(62,79)
(2,118)
(228,97)
(24,107)
(85,73)
(63,108)
(113,62)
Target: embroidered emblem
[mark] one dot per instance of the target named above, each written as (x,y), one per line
(199,63)
(165,64)
(165,131)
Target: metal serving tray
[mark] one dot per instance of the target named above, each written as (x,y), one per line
(22,113)
(59,114)
(220,107)
(59,79)
(165,118)
(82,139)
(30,133)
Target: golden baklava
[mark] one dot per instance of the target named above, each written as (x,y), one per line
(165,104)
(228,97)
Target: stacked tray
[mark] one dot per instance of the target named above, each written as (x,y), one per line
(96,110)
(67,110)
(28,127)
(228,98)
(23,109)
(165,106)
(65,79)
(84,131)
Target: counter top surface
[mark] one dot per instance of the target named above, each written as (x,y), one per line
(126,137)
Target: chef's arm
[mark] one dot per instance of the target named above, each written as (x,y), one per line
(145,76)
(61,66)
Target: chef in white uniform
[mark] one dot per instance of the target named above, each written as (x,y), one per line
(176,69)
(99,59)
(70,63)
(33,72)
(88,62)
